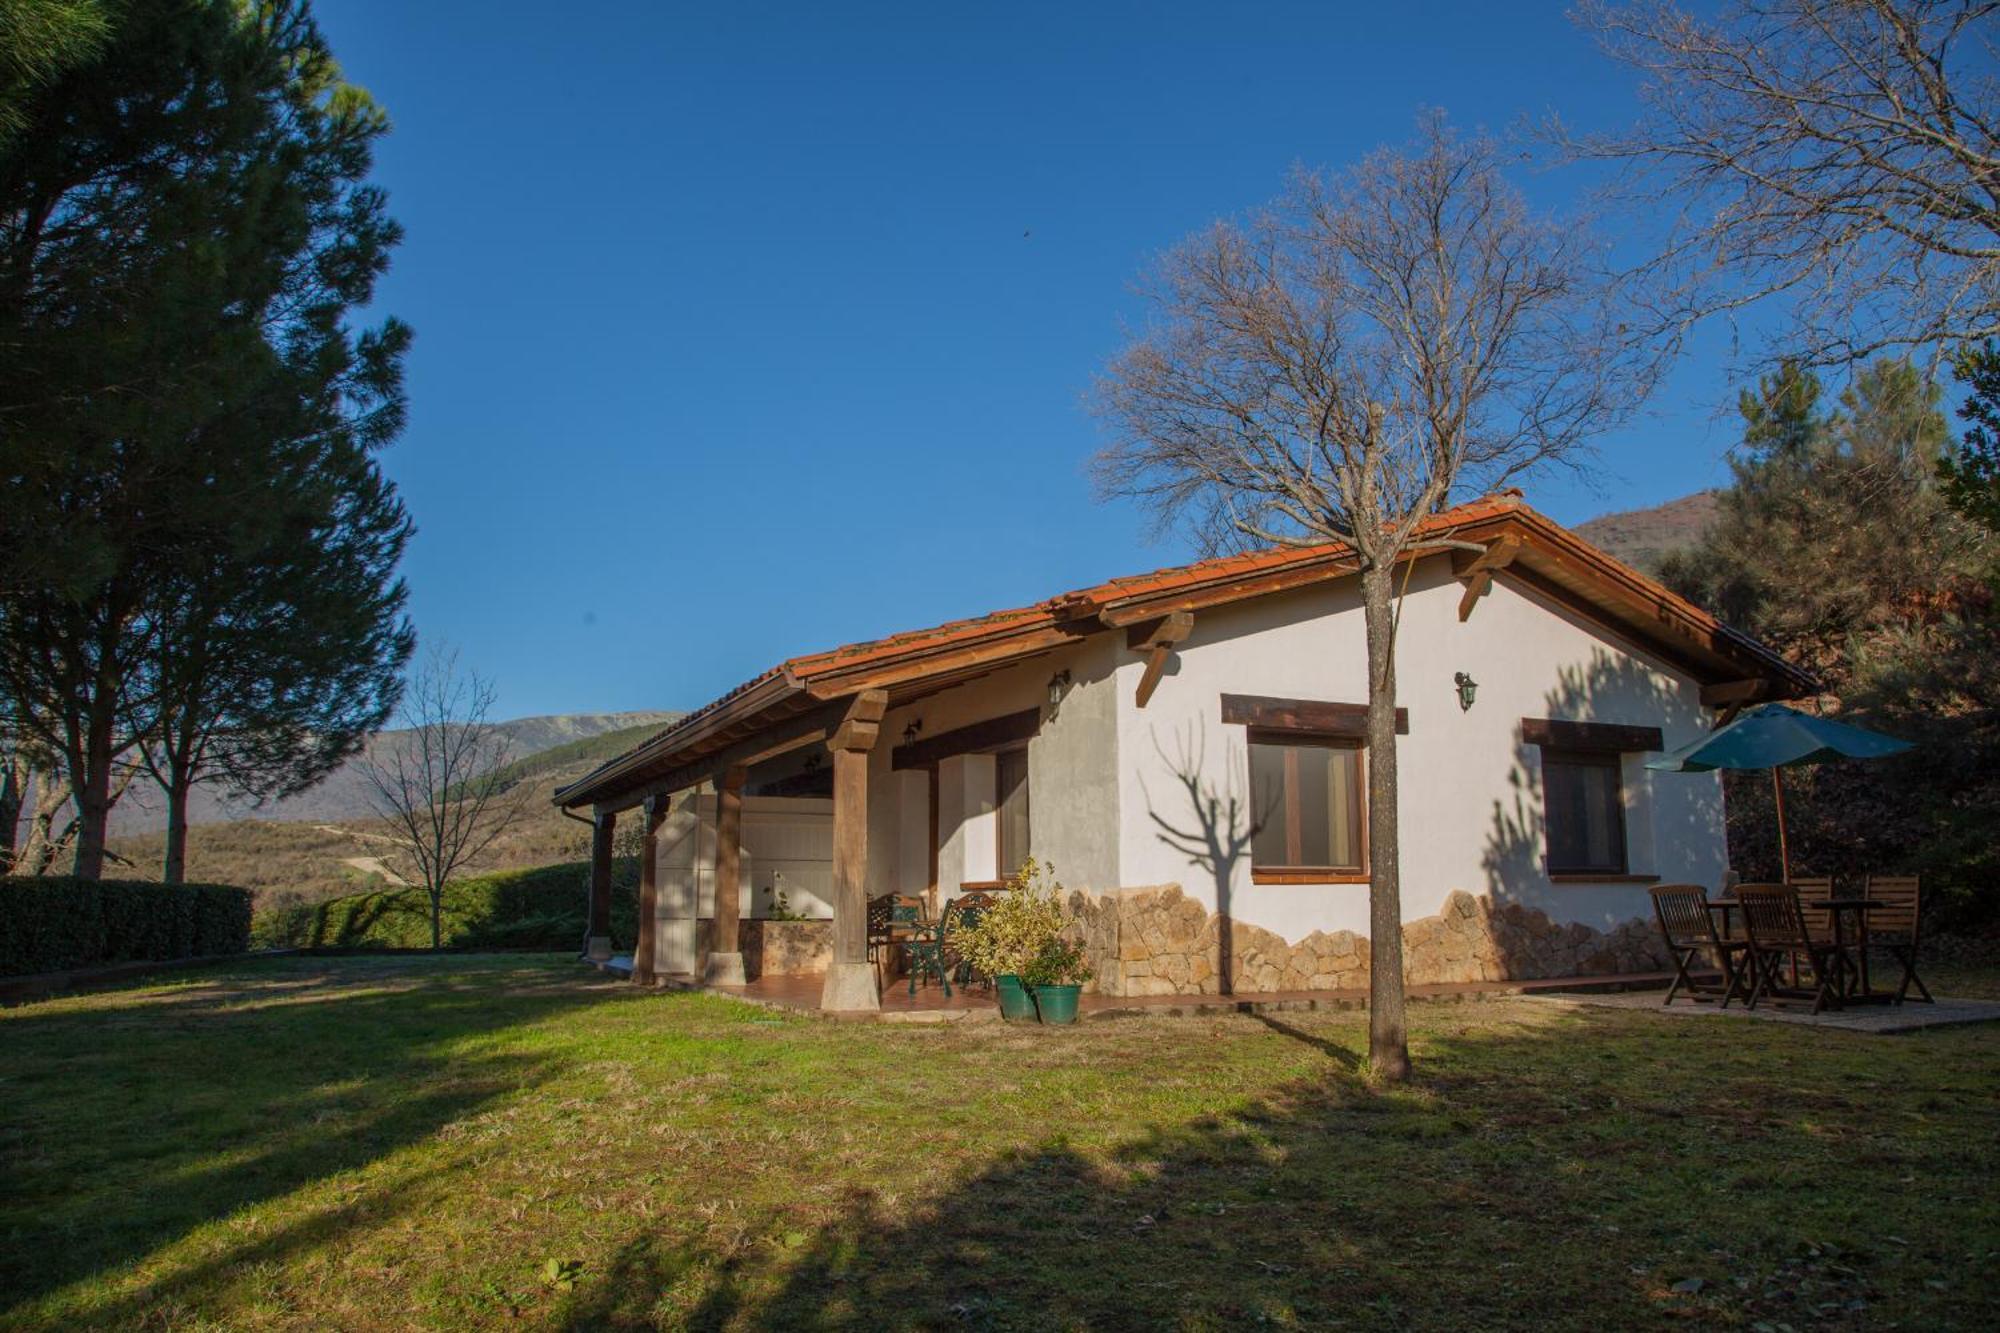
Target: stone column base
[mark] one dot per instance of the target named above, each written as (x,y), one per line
(850,987)
(598,948)
(725,969)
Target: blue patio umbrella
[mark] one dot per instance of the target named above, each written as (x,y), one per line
(1776,737)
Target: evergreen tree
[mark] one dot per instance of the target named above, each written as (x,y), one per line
(279,646)
(39,39)
(1971,472)
(185,225)
(1837,545)
(1835,526)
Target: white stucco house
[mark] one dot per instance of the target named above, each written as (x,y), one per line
(1185,747)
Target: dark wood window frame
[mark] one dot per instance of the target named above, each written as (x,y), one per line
(1000,814)
(1307,874)
(1600,744)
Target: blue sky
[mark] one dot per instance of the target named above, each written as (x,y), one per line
(750,329)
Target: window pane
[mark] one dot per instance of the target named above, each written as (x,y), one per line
(1308,805)
(1585,814)
(1343,807)
(1267,805)
(1011,781)
(1308,799)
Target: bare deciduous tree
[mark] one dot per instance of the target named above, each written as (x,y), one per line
(439,786)
(1840,155)
(1344,365)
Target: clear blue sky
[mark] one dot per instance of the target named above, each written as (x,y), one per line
(751,329)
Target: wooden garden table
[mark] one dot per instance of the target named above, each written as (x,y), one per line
(1841,911)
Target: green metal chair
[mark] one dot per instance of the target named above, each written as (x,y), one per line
(924,949)
(965,911)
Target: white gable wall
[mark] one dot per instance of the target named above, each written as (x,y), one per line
(1470,791)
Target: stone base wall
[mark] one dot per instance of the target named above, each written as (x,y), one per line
(776,948)
(1159,941)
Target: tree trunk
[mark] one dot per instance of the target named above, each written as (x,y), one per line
(437,918)
(11,794)
(174,869)
(1388,1037)
(93,797)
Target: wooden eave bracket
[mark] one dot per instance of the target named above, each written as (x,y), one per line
(862,724)
(1156,639)
(1477,574)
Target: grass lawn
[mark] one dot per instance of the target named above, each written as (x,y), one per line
(363,1143)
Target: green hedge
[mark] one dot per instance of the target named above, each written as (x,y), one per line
(52,924)
(541,908)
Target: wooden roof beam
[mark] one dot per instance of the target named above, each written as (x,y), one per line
(1737,692)
(1157,639)
(1476,571)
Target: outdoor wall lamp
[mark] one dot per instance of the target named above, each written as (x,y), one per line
(1058,687)
(1467,688)
(910,732)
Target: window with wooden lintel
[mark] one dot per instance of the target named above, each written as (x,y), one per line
(1583,793)
(1305,793)
(1307,774)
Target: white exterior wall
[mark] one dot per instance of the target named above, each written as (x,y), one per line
(787,844)
(1471,813)
(1072,779)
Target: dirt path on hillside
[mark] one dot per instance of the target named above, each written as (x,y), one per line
(354,833)
(367,865)
(374,865)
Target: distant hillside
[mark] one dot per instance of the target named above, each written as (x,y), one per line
(344,794)
(575,758)
(310,860)
(1643,538)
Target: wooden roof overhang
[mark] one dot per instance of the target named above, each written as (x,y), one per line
(798,702)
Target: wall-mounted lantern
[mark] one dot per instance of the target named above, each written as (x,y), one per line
(1058,687)
(1467,688)
(911,732)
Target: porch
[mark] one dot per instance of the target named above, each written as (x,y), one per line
(802,993)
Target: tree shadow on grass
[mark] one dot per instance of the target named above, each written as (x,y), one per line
(1545,1176)
(133,1122)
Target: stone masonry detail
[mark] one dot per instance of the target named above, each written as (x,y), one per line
(1159,941)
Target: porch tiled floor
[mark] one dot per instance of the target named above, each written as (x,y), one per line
(930,1005)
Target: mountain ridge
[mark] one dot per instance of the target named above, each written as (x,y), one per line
(344,794)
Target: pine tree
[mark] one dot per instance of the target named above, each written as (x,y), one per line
(185,225)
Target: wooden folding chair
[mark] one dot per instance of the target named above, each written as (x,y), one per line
(1778,934)
(1895,926)
(1689,932)
(1819,923)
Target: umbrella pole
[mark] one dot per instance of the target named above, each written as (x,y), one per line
(1784,852)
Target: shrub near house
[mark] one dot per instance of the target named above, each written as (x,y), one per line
(51,924)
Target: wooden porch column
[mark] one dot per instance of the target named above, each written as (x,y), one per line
(646,950)
(597,940)
(725,952)
(850,980)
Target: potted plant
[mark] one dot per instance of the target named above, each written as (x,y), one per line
(1055,978)
(1012,938)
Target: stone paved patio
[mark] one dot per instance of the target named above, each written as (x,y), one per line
(1881,1019)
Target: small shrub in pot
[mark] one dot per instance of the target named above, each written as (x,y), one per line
(1020,936)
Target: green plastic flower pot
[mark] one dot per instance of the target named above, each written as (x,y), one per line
(1057,1004)
(1016,1005)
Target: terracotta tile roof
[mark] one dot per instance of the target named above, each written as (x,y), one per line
(1204,582)
(1082,601)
